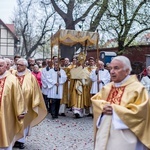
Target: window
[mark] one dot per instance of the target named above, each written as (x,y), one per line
(6,42)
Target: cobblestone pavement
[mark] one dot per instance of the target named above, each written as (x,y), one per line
(64,133)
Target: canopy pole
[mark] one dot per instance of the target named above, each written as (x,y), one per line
(58,55)
(58,65)
(51,47)
(97,47)
(59,44)
(58,70)
(85,52)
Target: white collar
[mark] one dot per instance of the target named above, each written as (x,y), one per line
(21,73)
(3,75)
(120,83)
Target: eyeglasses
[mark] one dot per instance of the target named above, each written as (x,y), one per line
(19,64)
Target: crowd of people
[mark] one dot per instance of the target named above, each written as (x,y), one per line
(21,103)
(72,84)
(118,101)
(121,110)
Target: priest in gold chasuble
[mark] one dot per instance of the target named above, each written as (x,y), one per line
(11,108)
(122,111)
(35,107)
(65,98)
(79,87)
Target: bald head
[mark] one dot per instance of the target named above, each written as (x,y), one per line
(100,65)
(67,62)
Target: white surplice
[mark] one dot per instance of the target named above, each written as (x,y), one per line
(52,80)
(44,74)
(103,75)
(146,82)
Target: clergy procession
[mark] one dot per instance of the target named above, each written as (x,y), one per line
(114,99)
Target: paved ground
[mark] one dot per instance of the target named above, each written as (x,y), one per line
(64,133)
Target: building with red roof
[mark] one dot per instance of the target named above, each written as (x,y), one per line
(8,39)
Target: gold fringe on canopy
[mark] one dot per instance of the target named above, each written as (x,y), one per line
(72,37)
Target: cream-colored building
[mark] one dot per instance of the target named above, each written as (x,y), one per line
(8,39)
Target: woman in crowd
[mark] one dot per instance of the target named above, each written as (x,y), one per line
(37,74)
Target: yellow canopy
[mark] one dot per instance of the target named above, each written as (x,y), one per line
(72,37)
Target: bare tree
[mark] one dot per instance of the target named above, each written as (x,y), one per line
(74,11)
(33,23)
(125,20)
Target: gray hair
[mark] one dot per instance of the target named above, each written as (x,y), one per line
(125,61)
(3,61)
(7,60)
(24,61)
(148,68)
(36,65)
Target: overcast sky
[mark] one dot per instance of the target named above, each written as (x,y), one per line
(6,10)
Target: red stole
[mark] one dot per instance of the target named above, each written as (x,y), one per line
(20,78)
(115,95)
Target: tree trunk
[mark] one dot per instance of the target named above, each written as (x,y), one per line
(68,51)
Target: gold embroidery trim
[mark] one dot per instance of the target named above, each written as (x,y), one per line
(115,95)
(2,82)
(20,78)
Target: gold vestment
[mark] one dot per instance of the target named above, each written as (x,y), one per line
(79,87)
(65,97)
(11,106)
(35,106)
(130,102)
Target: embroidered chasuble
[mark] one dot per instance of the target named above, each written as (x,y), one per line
(115,95)
(34,103)
(64,100)
(79,87)
(20,78)
(131,103)
(11,106)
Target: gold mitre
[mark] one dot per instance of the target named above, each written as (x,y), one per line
(81,58)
